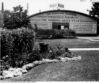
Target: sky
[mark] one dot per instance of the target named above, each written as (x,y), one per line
(35,6)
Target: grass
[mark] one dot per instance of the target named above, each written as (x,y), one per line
(86,69)
(71,43)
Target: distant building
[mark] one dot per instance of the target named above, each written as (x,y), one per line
(81,23)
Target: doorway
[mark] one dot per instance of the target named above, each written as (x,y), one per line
(60,26)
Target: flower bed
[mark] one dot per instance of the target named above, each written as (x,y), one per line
(41,56)
(13,72)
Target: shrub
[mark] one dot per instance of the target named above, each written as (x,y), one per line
(44,33)
(64,33)
(46,52)
(33,56)
(50,33)
(55,52)
(16,44)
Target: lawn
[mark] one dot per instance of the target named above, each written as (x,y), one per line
(86,69)
(71,43)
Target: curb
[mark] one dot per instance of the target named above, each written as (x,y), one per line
(84,49)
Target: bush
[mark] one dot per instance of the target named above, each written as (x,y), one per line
(42,33)
(16,44)
(68,33)
(64,33)
(46,52)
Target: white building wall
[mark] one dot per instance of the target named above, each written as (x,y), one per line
(80,23)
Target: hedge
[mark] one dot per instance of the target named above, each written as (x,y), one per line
(68,33)
(16,44)
(55,33)
(44,33)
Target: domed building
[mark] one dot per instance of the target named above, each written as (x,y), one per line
(81,23)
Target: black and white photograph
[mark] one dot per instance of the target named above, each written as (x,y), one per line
(49,41)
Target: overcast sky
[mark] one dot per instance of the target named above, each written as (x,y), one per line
(36,5)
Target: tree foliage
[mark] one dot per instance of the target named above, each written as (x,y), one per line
(16,18)
(95,10)
(95,13)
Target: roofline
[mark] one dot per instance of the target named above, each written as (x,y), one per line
(63,11)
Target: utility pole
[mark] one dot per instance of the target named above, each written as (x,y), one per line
(27,8)
(2,12)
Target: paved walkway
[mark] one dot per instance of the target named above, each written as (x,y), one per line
(84,49)
(90,38)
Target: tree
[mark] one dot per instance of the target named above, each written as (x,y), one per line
(7,18)
(16,19)
(95,13)
(95,10)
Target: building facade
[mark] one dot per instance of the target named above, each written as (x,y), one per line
(65,19)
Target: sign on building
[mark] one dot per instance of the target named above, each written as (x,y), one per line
(57,6)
